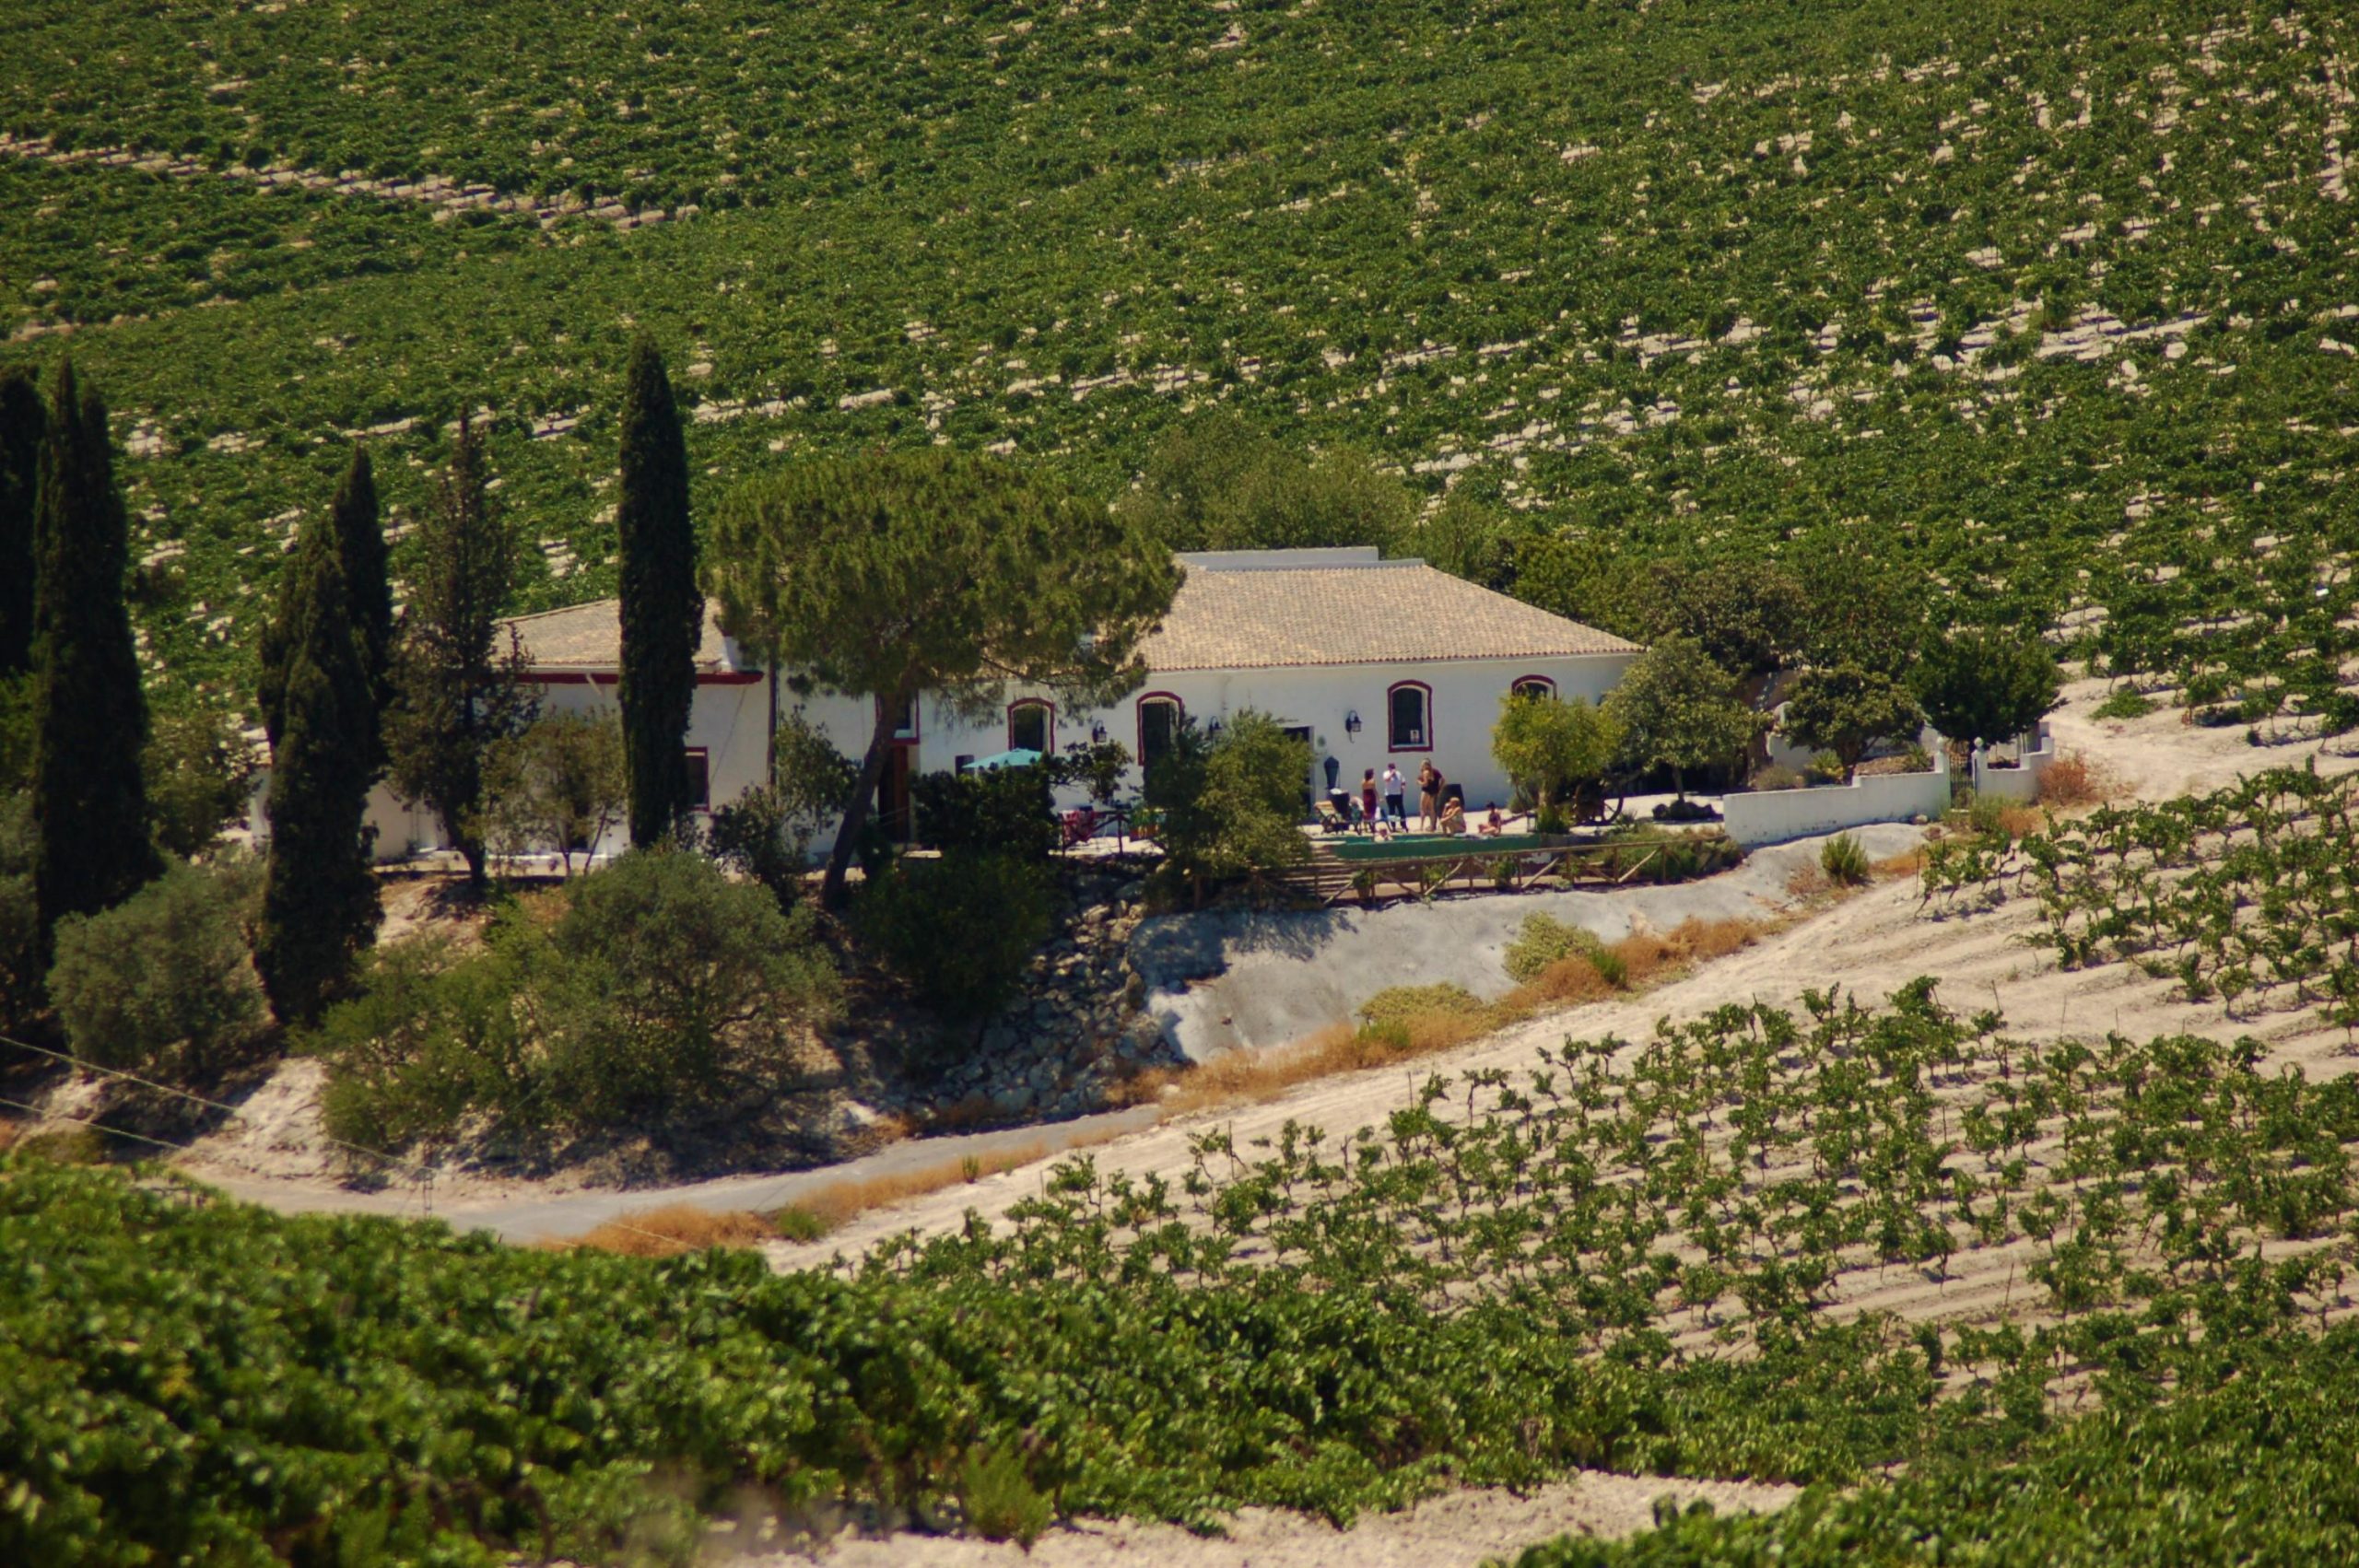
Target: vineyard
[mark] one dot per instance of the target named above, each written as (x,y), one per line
(2049,303)
(1726,1250)
(2249,894)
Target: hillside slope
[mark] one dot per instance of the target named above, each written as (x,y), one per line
(2028,289)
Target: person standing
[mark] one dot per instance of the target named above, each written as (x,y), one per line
(1368,799)
(1428,797)
(1395,787)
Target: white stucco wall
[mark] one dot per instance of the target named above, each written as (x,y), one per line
(1463,706)
(1773,817)
(730,720)
(2021,784)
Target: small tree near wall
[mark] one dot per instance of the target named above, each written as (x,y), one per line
(1848,709)
(1680,710)
(1553,747)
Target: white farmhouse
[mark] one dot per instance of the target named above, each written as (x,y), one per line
(1369,661)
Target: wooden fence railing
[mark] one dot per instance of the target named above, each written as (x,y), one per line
(1329,880)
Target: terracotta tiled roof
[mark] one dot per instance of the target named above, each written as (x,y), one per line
(1258,610)
(1245,610)
(590,636)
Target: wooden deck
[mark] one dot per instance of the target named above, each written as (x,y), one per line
(1327,880)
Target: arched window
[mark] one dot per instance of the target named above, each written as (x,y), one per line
(1159,717)
(1032,726)
(1533,686)
(1410,719)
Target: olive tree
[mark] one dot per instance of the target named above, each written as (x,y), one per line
(1984,685)
(1848,708)
(1679,710)
(1552,745)
(1231,804)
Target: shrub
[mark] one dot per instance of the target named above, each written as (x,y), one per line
(1984,814)
(1398,1005)
(766,833)
(656,986)
(19,913)
(1843,860)
(2073,780)
(199,774)
(1827,769)
(1778,775)
(958,930)
(1231,805)
(2125,702)
(163,983)
(1543,939)
(659,976)
(1000,1502)
(999,811)
(759,837)
(432,1037)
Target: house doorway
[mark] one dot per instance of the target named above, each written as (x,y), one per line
(893,795)
(1310,785)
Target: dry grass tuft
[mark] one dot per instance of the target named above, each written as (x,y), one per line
(2017,821)
(1908,862)
(840,1202)
(669,1231)
(1806,880)
(2076,778)
(1569,981)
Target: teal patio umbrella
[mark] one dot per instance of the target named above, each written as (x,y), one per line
(1020,757)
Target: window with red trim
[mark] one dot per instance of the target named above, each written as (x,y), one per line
(1533,686)
(1409,715)
(699,778)
(1032,727)
(1160,716)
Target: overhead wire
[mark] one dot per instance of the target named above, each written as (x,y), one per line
(425,1173)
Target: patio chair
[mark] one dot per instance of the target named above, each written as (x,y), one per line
(1330,817)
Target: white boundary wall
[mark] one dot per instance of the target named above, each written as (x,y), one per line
(1773,817)
(2020,784)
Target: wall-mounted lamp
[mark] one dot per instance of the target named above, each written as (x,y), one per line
(1098,735)
(1352,722)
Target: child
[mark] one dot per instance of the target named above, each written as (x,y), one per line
(1493,824)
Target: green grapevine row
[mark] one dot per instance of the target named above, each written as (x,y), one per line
(2250,894)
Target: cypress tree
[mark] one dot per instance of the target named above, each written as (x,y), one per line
(662,613)
(454,693)
(318,904)
(358,540)
(90,714)
(368,586)
(22,423)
